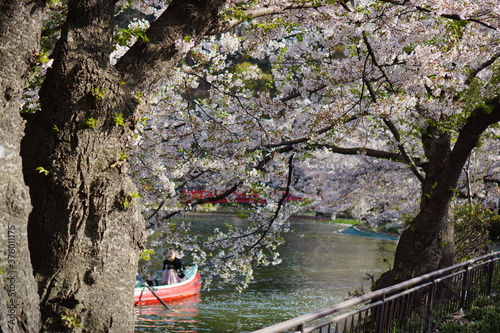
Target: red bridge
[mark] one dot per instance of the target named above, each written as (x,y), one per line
(194,195)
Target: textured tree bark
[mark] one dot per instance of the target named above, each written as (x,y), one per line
(20,23)
(427,244)
(86,229)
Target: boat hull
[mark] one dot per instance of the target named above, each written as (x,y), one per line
(189,287)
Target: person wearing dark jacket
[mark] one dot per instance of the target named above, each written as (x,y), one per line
(172,268)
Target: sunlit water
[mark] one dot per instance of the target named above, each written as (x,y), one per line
(320,267)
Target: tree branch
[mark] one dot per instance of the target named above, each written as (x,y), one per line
(146,63)
(375,62)
(259,12)
(484,65)
(223,195)
(491,179)
(480,119)
(367,152)
(390,125)
(455,17)
(407,158)
(295,95)
(281,202)
(233,189)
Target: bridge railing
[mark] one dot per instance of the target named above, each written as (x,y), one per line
(416,305)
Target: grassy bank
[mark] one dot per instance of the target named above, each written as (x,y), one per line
(482,317)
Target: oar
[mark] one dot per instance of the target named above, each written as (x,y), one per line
(144,283)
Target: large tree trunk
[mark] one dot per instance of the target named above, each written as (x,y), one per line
(86,229)
(427,244)
(20,23)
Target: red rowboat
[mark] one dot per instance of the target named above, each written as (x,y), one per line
(190,286)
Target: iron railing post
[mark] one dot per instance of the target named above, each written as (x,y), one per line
(490,275)
(380,316)
(465,286)
(430,304)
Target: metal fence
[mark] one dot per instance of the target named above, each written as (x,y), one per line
(416,305)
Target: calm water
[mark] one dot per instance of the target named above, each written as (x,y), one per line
(320,267)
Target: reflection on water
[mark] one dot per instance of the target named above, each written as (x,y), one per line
(179,317)
(319,268)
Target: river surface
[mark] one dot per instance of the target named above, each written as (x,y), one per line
(319,269)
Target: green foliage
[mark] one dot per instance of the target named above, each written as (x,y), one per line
(118,120)
(494,228)
(455,28)
(42,170)
(408,49)
(393,230)
(43,57)
(69,320)
(146,254)
(275,23)
(445,41)
(241,214)
(91,122)
(122,156)
(55,16)
(127,201)
(305,202)
(125,36)
(263,83)
(341,221)
(471,231)
(138,97)
(207,207)
(98,93)
(482,317)
(456,327)
(237,13)
(473,98)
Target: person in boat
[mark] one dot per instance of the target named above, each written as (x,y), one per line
(173,271)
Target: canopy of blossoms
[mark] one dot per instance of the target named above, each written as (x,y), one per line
(321,99)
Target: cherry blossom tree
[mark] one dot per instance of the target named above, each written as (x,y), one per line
(408,82)
(232,97)
(85,229)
